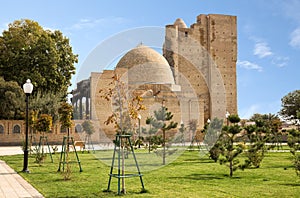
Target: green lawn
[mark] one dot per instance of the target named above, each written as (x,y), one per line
(187,176)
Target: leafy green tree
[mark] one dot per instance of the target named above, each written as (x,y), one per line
(272,123)
(290,106)
(43,124)
(294,144)
(65,114)
(229,150)
(12,100)
(47,103)
(88,127)
(269,120)
(44,56)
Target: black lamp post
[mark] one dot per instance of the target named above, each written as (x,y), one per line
(27,87)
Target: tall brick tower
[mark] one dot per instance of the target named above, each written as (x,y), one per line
(203,57)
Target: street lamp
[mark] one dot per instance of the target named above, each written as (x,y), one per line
(181,129)
(227,115)
(27,87)
(139,117)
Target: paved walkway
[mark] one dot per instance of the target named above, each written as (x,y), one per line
(12,185)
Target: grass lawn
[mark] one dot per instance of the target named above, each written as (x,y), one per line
(188,176)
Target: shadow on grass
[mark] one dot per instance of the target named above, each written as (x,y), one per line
(285,167)
(200,177)
(291,184)
(110,192)
(199,160)
(104,158)
(194,161)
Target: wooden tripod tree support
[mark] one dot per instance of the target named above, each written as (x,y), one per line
(119,149)
(89,144)
(194,139)
(44,138)
(65,147)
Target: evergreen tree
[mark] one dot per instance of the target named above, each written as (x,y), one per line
(163,121)
(257,136)
(229,150)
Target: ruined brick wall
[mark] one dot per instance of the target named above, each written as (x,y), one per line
(205,55)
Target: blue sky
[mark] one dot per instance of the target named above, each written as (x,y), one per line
(268,35)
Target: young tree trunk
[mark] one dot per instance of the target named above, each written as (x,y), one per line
(164,147)
(149,149)
(123,166)
(231,168)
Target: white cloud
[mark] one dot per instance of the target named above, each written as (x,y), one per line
(249,65)
(262,50)
(280,61)
(92,23)
(295,38)
(291,10)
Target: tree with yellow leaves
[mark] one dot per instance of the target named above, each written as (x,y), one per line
(125,111)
